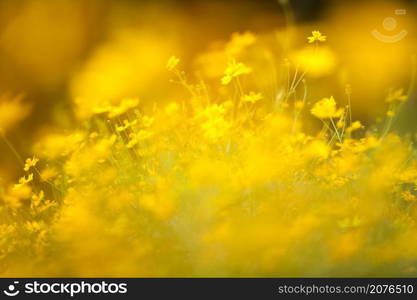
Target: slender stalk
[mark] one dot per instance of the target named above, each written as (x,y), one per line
(12,148)
(335,128)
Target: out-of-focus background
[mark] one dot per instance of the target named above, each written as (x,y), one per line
(55,53)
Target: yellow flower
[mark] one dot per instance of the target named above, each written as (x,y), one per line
(252,97)
(319,149)
(213,111)
(234,69)
(25,180)
(316,36)
(20,191)
(126,125)
(58,145)
(355,126)
(396,96)
(12,111)
(30,163)
(172,63)
(216,128)
(36,199)
(326,108)
(135,138)
(239,42)
(213,123)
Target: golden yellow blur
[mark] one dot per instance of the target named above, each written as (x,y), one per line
(133,144)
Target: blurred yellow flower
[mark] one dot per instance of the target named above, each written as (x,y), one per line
(396,96)
(326,108)
(172,63)
(239,42)
(12,111)
(25,180)
(48,173)
(127,65)
(316,36)
(252,97)
(30,162)
(233,70)
(126,125)
(354,126)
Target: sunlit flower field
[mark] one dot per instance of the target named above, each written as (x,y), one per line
(257,155)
